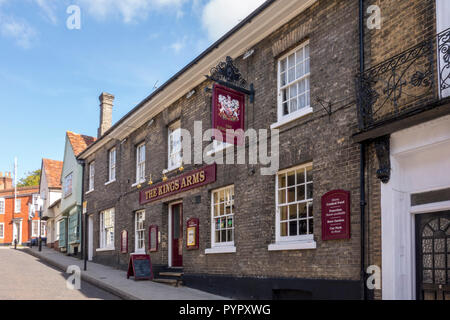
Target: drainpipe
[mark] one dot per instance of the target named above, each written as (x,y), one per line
(83,225)
(362,189)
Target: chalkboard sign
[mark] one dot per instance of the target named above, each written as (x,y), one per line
(140,266)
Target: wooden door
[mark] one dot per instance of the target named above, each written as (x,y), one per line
(177,235)
(432,256)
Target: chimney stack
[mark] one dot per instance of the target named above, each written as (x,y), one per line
(106,106)
(5,181)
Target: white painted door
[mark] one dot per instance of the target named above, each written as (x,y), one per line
(90,238)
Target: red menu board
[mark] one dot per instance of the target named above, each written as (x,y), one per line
(228,112)
(192,234)
(336,215)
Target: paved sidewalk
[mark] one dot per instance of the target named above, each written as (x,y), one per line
(115,281)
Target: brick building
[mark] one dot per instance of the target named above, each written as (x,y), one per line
(259,235)
(15,208)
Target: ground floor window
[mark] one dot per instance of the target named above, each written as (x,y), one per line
(294,204)
(2,230)
(107,229)
(140,232)
(222,217)
(35,228)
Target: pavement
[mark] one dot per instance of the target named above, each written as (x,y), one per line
(115,281)
(24,277)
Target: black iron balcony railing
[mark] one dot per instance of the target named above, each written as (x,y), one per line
(417,77)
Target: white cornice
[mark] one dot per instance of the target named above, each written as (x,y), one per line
(260,27)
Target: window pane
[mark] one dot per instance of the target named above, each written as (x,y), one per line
(291,60)
(230,222)
(309,190)
(223,236)
(283,79)
(293,105)
(218,224)
(216,197)
(291,75)
(283,65)
(293,228)
(222,196)
(285,109)
(307,51)
(299,70)
(217,236)
(291,178)
(307,66)
(302,210)
(283,212)
(309,174)
(300,176)
(292,212)
(300,55)
(282,181)
(303,227)
(310,226)
(301,193)
(283,229)
(282,196)
(310,210)
(230,235)
(293,91)
(291,194)
(301,101)
(284,93)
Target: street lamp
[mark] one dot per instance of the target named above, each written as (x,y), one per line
(38,205)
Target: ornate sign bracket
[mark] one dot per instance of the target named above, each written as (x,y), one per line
(226,74)
(382,148)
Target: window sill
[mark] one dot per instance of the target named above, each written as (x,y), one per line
(303,245)
(105,249)
(291,118)
(137,183)
(138,252)
(109,182)
(90,191)
(217,250)
(222,147)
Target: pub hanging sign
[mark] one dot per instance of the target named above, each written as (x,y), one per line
(336,215)
(228,112)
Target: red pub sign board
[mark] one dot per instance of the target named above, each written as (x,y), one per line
(228,112)
(185,182)
(336,215)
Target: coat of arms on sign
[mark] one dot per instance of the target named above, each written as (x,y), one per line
(229,108)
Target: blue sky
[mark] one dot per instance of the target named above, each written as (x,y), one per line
(51,76)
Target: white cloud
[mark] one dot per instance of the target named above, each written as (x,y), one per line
(23,34)
(128,10)
(219,16)
(48,8)
(178,45)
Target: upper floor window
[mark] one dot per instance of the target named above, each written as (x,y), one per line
(293,83)
(68,185)
(2,206)
(91,175)
(112,164)
(140,163)
(174,143)
(294,203)
(17,205)
(107,229)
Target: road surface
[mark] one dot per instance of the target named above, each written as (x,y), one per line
(24,277)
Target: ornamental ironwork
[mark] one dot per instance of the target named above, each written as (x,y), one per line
(227,74)
(411,79)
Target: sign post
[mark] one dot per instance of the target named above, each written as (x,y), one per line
(336,215)
(140,267)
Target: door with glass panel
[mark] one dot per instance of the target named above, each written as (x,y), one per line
(177,235)
(432,256)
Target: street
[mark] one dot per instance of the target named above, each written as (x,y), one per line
(24,277)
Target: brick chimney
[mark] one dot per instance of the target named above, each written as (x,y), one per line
(106,106)
(5,181)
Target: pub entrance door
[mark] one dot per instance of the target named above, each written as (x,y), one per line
(176,237)
(432,256)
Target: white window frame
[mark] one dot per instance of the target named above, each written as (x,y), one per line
(283,119)
(104,245)
(139,227)
(229,246)
(2,205)
(174,155)
(140,163)
(35,228)
(91,176)
(17,208)
(66,185)
(2,228)
(304,241)
(112,165)
(43,225)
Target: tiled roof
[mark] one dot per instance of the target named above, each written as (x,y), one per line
(52,169)
(79,142)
